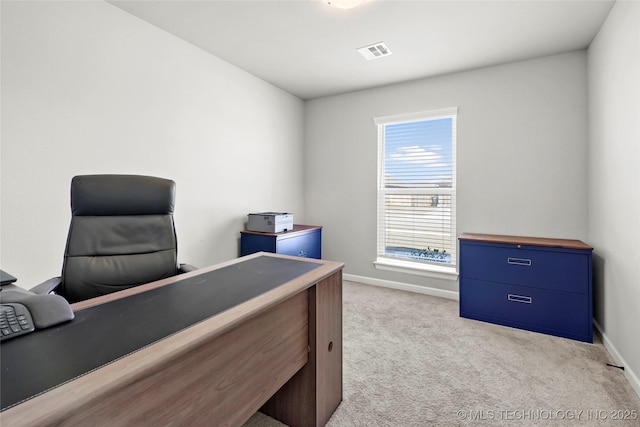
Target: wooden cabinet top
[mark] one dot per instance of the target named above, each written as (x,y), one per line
(297,228)
(522,240)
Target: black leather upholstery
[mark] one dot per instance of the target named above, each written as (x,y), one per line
(121,235)
(99,195)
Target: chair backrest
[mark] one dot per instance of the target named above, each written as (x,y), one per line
(122,234)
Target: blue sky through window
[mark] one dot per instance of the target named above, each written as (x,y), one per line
(419,154)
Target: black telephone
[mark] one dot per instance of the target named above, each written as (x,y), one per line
(15,320)
(22,312)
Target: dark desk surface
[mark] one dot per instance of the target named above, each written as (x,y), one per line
(6,278)
(104,333)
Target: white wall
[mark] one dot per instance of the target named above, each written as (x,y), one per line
(88,88)
(614,182)
(522,156)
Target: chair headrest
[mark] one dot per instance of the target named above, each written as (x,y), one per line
(97,195)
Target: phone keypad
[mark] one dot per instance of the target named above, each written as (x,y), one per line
(15,320)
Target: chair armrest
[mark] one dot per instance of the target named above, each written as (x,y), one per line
(185,268)
(47,287)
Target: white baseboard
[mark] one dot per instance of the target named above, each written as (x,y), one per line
(628,373)
(403,286)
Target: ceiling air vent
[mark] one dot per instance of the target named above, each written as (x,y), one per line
(374,51)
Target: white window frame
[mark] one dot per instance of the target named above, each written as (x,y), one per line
(440,271)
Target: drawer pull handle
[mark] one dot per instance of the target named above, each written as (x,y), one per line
(519,261)
(519,298)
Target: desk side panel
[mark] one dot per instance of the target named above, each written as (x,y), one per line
(314,393)
(220,382)
(329,341)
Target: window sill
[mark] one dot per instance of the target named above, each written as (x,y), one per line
(428,270)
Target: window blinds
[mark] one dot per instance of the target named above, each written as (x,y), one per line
(416,187)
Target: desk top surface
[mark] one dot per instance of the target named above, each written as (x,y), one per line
(297,229)
(104,333)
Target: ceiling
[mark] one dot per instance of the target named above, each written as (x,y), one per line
(308,47)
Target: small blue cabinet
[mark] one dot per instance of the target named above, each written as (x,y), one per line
(538,284)
(303,241)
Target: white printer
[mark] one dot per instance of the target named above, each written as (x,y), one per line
(270,222)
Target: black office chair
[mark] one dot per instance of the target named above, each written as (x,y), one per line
(121,235)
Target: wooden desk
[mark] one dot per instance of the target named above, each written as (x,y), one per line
(281,351)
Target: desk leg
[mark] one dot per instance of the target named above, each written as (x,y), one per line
(313,394)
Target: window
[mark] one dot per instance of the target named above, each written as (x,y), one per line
(417,192)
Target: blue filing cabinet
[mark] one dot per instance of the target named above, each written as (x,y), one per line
(537,284)
(303,241)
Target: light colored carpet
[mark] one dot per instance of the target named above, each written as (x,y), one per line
(410,360)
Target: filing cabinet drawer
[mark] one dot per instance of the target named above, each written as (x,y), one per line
(305,245)
(555,269)
(303,241)
(540,310)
